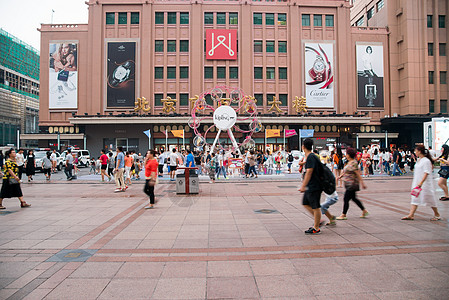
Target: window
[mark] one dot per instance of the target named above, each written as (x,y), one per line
(257,19)
(258,73)
(270,46)
(184,18)
(184,99)
(443,106)
(269,19)
(429,21)
(442,49)
(183,72)
(158,73)
(282,73)
(208,72)
(431,77)
(171,46)
(305,20)
(441,21)
(159,46)
(317,20)
(184,46)
(134,18)
(110,18)
(208,18)
(270,73)
(233,72)
(283,98)
(257,46)
(282,47)
(159,18)
(171,73)
(259,99)
(123,18)
(329,20)
(359,22)
(157,99)
(430,49)
(270,98)
(221,18)
(443,78)
(431,106)
(233,18)
(380,5)
(370,13)
(221,72)
(282,19)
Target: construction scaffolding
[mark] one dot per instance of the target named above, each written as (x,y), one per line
(18,56)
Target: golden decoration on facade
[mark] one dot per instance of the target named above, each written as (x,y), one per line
(193,101)
(141,104)
(225,101)
(300,104)
(275,105)
(249,104)
(169,105)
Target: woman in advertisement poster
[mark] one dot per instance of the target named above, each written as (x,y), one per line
(64,58)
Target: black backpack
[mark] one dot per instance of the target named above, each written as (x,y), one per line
(326,177)
(290,158)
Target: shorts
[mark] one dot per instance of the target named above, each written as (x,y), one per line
(172,168)
(104,167)
(329,201)
(46,171)
(445,168)
(127,171)
(312,199)
(401,165)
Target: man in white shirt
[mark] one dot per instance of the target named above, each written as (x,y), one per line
(20,160)
(69,165)
(161,161)
(173,164)
(53,160)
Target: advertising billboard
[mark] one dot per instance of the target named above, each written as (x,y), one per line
(319,71)
(121,74)
(63,75)
(221,44)
(370,76)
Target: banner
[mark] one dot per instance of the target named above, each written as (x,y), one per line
(63,75)
(305,133)
(319,74)
(273,133)
(121,69)
(370,76)
(221,44)
(290,132)
(178,133)
(147,133)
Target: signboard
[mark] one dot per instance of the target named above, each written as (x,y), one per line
(63,75)
(221,44)
(370,76)
(224,117)
(121,77)
(319,74)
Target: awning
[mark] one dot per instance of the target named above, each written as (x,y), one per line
(377,135)
(52,136)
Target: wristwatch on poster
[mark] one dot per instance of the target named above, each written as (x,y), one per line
(121,73)
(318,70)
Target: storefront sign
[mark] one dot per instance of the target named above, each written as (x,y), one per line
(63,75)
(370,75)
(224,117)
(221,44)
(121,69)
(319,74)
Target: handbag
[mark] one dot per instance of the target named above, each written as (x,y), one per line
(415,192)
(444,172)
(13,181)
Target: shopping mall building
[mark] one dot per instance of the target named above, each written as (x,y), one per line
(172,51)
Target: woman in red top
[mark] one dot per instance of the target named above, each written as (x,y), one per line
(104,165)
(151,166)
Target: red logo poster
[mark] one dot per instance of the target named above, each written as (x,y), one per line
(221,44)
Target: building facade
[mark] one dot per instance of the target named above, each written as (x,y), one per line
(171,51)
(418,37)
(19,90)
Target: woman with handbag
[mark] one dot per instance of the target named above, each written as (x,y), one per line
(444,171)
(151,167)
(11,181)
(352,179)
(423,190)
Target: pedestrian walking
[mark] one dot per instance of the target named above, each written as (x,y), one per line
(338,164)
(30,169)
(68,165)
(311,186)
(104,165)
(423,190)
(20,160)
(277,161)
(128,164)
(396,162)
(111,164)
(221,168)
(161,159)
(211,166)
(11,181)
(173,164)
(290,160)
(119,171)
(444,171)
(93,168)
(151,166)
(352,180)
(2,159)
(330,200)
(54,161)
(47,164)
(252,164)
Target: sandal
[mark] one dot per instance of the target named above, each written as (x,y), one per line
(444,198)
(24,204)
(364,215)
(341,218)
(407,218)
(435,219)
(2,207)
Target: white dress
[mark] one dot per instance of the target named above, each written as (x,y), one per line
(427,195)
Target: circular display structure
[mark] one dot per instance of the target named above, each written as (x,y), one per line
(224,117)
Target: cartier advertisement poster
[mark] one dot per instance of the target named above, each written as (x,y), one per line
(63,75)
(319,71)
(121,72)
(370,76)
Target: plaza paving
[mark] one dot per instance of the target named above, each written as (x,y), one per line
(79,240)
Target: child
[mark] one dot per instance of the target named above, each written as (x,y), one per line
(92,166)
(330,200)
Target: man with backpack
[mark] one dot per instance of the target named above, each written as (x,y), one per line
(289,162)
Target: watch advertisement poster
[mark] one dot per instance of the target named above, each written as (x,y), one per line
(370,76)
(319,74)
(121,69)
(63,75)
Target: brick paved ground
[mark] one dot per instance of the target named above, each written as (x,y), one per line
(82,241)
